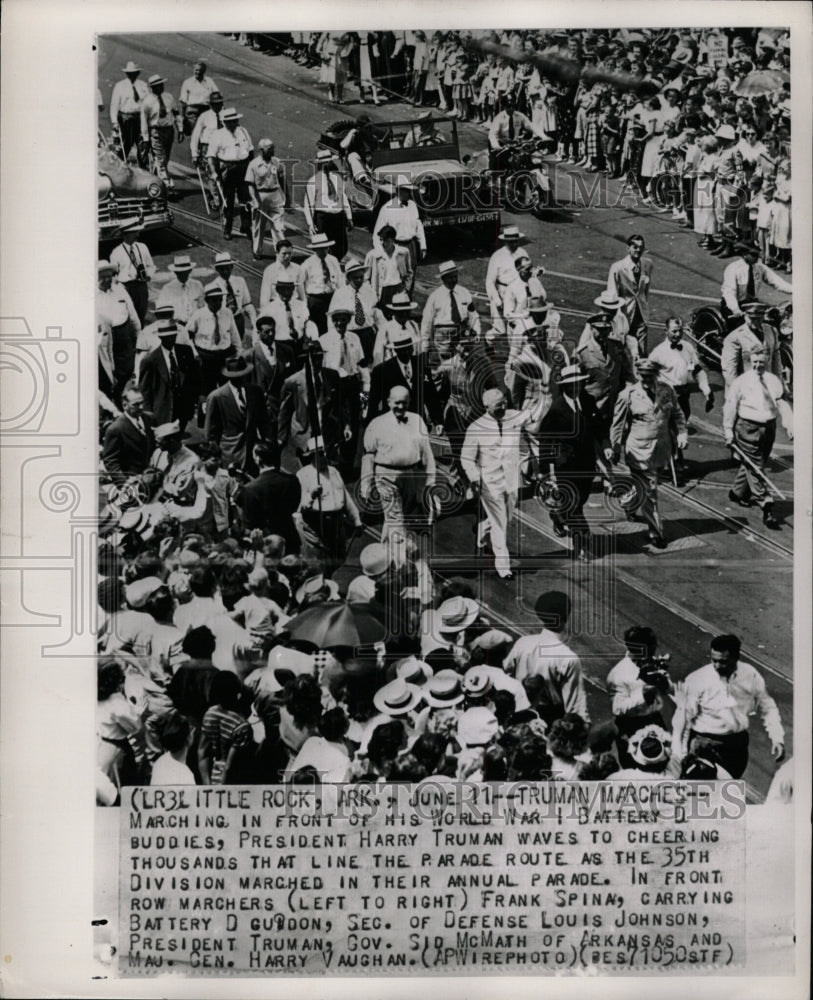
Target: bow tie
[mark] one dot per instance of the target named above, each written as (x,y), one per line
(401,420)
(676,347)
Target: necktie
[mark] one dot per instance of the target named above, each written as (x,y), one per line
(136,98)
(241,398)
(769,400)
(750,288)
(326,274)
(510,126)
(456,319)
(174,377)
(345,361)
(499,425)
(359,312)
(161,105)
(407,370)
(636,273)
(331,187)
(290,318)
(231,298)
(219,122)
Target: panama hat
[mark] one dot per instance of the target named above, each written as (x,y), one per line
(477,682)
(510,233)
(314,444)
(608,300)
(105,267)
(223,258)
(213,289)
(457,614)
(132,67)
(155,79)
(181,263)
(320,241)
(400,302)
(140,591)
(324,156)
(646,366)
(447,267)
(414,671)
(570,374)
(167,328)
(397,698)
(353,264)
(230,115)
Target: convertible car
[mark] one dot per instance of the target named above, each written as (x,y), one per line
(127,194)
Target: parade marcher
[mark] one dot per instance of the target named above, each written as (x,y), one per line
(638,687)
(630,279)
(319,277)
(169,379)
(568,440)
(743,278)
(293,322)
(235,293)
(115,308)
(402,214)
(398,320)
(715,705)
(752,334)
(346,377)
(358,296)
(646,416)
(235,415)
(449,313)
(196,94)
(501,272)
(295,415)
(491,458)
(229,153)
(609,368)
(148,339)
(398,460)
(183,292)
(753,401)
(270,500)
(207,124)
(545,656)
(525,286)
(160,121)
(265,178)
(326,506)
(388,267)
(128,440)
(282,267)
(327,209)
(408,370)
(529,374)
(125,108)
(272,364)
(459,390)
(679,365)
(213,333)
(612,307)
(173,459)
(135,267)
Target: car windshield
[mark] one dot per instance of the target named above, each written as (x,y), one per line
(417,139)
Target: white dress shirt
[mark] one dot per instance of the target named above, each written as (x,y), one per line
(230,147)
(312,276)
(123,101)
(404,219)
(735,283)
(545,655)
(501,272)
(755,399)
(184,298)
(129,257)
(213,332)
(677,364)
(276,272)
(438,311)
(115,306)
(299,315)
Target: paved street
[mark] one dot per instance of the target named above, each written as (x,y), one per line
(722,570)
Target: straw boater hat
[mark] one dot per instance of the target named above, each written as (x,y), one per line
(320,241)
(324,156)
(397,698)
(167,328)
(314,444)
(224,258)
(457,614)
(570,374)
(477,682)
(400,302)
(374,559)
(353,264)
(414,671)
(131,67)
(447,267)
(510,233)
(608,300)
(444,690)
(230,115)
(183,262)
(155,79)
(213,289)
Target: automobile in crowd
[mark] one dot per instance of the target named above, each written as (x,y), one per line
(126,193)
(449,192)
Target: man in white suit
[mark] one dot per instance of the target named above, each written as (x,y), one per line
(630,279)
(491,458)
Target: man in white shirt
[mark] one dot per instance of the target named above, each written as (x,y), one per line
(326,506)
(326,207)
(205,127)
(501,272)
(398,459)
(290,314)
(449,313)
(229,153)
(509,126)
(160,119)
(388,268)
(545,656)
(213,334)
(715,705)
(357,295)
(346,376)
(490,458)
(743,278)
(236,294)
(319,277)
(266,184)
(402,214)
(135,267)
(125,108)
(749,422)
(183,292)
(196,92)
(282,267)
(115,308)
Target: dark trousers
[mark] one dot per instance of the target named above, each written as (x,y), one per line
(755,441)
(688,198)
(730,750)
(211,368)
(684,395)
(191,115)
(331,531)
(343,409)
(334,226)
(317,307)
(139,292)
(124,339)
(233,182)
(130,128)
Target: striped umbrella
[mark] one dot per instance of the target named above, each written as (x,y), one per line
(762,81)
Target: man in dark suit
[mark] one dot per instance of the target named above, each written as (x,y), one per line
(294,426)
(128,441)
(568,436)
(169,379)
(270,500)
(235,415)
(273,363)
(404,369)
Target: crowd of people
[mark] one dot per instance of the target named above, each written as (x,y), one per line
(244,448)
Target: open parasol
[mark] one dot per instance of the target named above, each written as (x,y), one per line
(336,623)
(762,81)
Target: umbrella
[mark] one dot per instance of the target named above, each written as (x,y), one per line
(762,81)
(336,623)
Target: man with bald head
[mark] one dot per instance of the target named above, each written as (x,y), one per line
(491,458)
(398,460)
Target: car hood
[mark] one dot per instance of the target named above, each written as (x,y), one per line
(122,178)
(416,171)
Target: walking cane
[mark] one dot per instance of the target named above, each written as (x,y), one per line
(203,190)
(759,472)
(672,470)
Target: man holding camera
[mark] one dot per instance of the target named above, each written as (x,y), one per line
(638,686)
(135,266)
